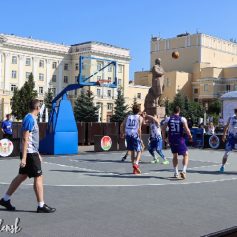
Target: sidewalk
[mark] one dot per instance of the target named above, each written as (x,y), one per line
(84,149)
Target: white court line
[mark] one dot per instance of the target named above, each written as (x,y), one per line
(90,170)
(130,185)
(75,167)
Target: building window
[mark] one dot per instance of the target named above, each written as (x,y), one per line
(98,92)
(41,90)
(109,106)
(76,79)
(41,76)
(195,90)
(227,87)
(13,74)
(109,93)
(109,79)
(27,75)
(53,90)
(13,87)
(139,96)
(206,87)
(76,66)
(54,78)
(28,61)
(119,82)
(196,100)
(54,65)
(110,68)
(14,59)
(99,66)
(65,79)
(65,66)
(41,63)
(120,68)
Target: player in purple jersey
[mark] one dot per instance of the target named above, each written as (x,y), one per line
(177,125)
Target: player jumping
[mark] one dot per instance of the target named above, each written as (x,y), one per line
(132,130)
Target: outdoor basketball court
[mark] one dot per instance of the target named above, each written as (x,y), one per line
(96,195)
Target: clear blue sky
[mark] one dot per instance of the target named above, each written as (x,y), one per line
(125,23)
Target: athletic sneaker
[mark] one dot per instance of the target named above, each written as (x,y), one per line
(183,175)
(7,204)
(45,209)
(155,161)
(165,162)
(176,175)
(124,158)
(222,169)
(136,169)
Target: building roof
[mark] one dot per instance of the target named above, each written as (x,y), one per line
(100,43)
(229,96)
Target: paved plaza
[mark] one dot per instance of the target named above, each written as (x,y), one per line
(96,195)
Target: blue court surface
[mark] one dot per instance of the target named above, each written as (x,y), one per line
(96,195)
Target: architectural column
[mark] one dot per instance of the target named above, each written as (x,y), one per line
(7,72)
(1,70)
(20,71)
(47,81)
(35,63)
(59,78)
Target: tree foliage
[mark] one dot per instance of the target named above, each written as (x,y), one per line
(48,98)
(22,97)
(120,110)
(84,108)
(189,109)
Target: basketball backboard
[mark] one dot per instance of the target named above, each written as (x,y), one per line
(97,71)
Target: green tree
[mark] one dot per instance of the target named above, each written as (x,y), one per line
(22,97)
(84,108)
(120,110)
(179,100)
(214,110)
(48,98)
(168,109)
(189,109)
(214,107)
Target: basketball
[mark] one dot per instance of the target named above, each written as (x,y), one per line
(175,54)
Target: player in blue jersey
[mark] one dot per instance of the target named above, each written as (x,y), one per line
(30,165)
(155,140)
(7,127)
(177,125)
(131,127)
(231,128)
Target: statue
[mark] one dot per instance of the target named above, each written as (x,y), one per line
(153,98)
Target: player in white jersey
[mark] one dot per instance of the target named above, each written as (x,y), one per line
(131,127)
(231,127)
(155,140)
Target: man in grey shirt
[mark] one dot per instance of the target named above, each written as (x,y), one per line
(30,165)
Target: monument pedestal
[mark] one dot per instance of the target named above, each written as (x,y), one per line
(159,111)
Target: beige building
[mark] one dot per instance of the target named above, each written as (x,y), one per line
(54,66)
(205,69)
